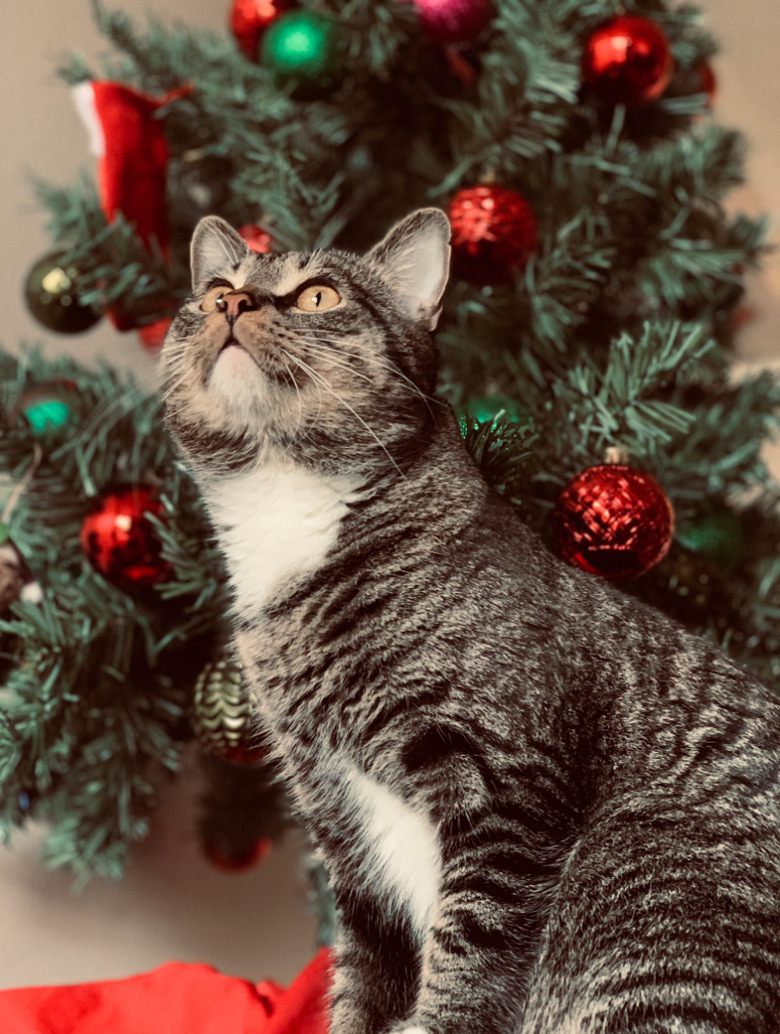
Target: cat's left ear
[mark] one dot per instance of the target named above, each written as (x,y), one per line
(414,260)
(216,249)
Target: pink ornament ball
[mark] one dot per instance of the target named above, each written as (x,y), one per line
(454,21)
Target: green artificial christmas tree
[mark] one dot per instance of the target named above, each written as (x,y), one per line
(585,343)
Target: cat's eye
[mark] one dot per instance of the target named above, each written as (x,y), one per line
(212,297)
(317,298)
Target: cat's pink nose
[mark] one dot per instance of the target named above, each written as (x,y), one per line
(233,303)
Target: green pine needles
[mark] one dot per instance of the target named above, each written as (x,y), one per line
(97,680)
(615,333)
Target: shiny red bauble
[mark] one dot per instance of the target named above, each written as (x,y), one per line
(250,18)
(257,238)
(628,61)
(119,539)
(614,521)
(494,232)
(454,21)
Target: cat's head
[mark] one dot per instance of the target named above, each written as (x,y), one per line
(326,355)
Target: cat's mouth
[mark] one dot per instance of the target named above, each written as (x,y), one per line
(231,342)
(232,353)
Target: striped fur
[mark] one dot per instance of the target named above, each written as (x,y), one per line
(544,808)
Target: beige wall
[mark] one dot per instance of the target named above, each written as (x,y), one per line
(173,905)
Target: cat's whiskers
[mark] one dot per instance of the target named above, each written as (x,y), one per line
(174,384)
(327,354)
(318,378)
(109,411)
(323,353)
(382,361)
(291,375)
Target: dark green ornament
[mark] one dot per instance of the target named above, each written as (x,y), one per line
(303,46)
(718,535)
(487,408)
(492,409)
(51,295)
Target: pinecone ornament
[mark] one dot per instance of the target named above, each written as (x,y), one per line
(223,713)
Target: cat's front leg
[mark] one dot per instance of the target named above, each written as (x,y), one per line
(377,965)
(479,949)
(470,985)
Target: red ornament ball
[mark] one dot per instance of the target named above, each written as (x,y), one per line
(257,238)
(614,521)
(250,18)
(628,61)
(119,540)
(153,335)
(454,21)
(494,232)
(238,859)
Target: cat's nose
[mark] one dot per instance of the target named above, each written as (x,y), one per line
(233,303)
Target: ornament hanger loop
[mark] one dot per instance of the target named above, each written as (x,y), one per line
(23,485)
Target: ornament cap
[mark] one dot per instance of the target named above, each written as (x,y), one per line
(617,454)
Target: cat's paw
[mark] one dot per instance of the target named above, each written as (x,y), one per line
(411,1030)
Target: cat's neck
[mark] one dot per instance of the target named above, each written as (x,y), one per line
(276,523)
(279,521)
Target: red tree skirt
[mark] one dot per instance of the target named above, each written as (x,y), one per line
(178,998)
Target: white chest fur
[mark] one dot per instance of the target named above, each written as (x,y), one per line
(403,859)
(274,524)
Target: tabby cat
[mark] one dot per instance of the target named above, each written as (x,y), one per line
(544,808)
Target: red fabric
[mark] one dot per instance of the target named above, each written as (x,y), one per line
(132,170)
(178,998)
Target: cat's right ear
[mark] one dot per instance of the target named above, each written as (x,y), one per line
(216,249)
(414,260)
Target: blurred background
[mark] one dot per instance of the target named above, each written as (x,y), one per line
(173,903)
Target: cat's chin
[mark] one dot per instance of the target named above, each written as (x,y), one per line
(237,382)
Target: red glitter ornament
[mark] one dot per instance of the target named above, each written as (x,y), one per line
(628,61)
(241,858)
(257,238)
(454,21)
(614,521)
(119,539)
(250,18)
(494,232)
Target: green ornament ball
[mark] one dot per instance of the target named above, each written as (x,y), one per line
(50,408)
(48,415)
(718,535)
(51,296)
(303,45)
